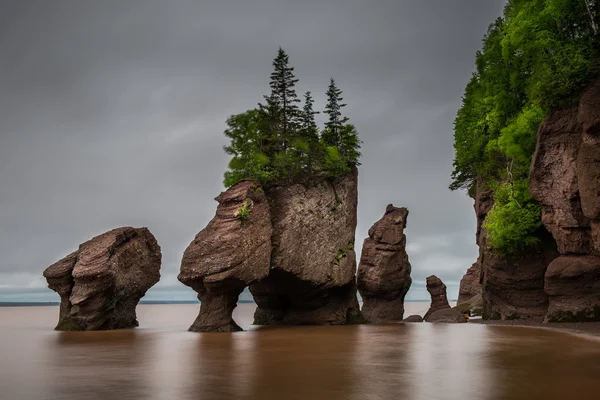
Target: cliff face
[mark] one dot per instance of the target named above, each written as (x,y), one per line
(233,251)
(512,287)
(294,249)
(313,263)
(101,283)
(470,286)
(384,271)
(565,180)
(560,281)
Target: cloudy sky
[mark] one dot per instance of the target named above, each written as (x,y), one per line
(112,113)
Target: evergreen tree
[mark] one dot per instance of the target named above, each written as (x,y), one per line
(279,143)
(308,140)
(333,108)
(281,109)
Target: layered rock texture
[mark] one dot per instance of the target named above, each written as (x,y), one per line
(101,283)
(439,299)
(293,246)
(565,180)
(233,251)
(384,271)
(313,263)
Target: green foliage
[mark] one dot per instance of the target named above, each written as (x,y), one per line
(537,57)
(243,213)
(279,143)
(514,219)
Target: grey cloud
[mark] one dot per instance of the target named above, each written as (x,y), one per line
(112,114)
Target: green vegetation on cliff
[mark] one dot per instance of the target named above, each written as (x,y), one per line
(537,57)
(280,142)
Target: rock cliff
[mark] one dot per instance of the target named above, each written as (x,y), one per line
(233,251)
(513,286)
(101,283)
(470,286)
(384,271)
(565,180)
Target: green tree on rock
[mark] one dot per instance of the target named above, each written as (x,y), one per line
(279,143)
(335,122)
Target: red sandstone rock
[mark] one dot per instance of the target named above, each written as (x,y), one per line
(101,283)
(439,299)
(469,284)
(384,271)
(313,264)
(233,251)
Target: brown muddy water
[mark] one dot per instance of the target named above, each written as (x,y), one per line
(160,360)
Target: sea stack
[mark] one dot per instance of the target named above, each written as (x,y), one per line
(439,299)
(312,276)
(292,245)
(233,251)
(102,282)
(384,271)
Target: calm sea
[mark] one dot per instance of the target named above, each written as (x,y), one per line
(161,360)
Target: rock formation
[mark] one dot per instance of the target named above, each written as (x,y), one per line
(439,300)
(470,286)
(292,245)
(313,263)
(512,287)
(384,271)
(447,316)
(565,180)
(413,318)
(233,251)
(101,283)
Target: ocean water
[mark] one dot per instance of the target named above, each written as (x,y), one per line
(161,360)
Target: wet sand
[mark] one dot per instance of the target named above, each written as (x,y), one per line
(160,360)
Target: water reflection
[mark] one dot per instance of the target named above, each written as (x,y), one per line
(414,361)
(538,364)
(97,365)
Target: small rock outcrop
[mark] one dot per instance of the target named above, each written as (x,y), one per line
(565,180)
(439,299)
(311,279)
(233,251)
(102,282)
(384,271)
(413,318)
(470,286)
(447,316)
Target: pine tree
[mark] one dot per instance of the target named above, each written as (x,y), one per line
(335,123)
(281,109)
(308,135)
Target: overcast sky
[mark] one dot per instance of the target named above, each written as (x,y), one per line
(112,113)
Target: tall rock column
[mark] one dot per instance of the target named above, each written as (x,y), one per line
(102,282)
(233,251)
(311,280)
(565,180)
(439,298)
(384,271)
